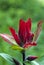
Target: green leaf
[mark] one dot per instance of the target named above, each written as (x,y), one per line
(7,57)
(17,47)
(31,62)
(10,59)
(41,60)
(34,63)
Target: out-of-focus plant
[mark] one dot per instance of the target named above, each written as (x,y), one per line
(21,41)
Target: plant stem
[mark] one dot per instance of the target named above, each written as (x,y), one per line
(23,54)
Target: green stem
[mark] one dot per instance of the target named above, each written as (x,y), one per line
(23,54)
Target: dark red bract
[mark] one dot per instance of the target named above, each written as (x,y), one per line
(31,58)
(24,37)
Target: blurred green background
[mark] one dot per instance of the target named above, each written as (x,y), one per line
(11,11)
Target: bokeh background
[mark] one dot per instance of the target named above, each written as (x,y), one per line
(11,11)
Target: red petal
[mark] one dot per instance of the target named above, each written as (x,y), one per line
(22,30)
(31,58)
(15,35)
(30,37)
(29,44)
(28,25)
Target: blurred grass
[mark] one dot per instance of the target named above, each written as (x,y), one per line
(11,11)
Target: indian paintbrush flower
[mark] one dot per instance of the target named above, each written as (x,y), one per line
(24,38)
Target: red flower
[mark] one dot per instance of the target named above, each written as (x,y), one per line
(24,37)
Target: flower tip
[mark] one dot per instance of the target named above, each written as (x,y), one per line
(40,23)
(21,20)
(34,43)
(10,28)
(31,58)
(29,19)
